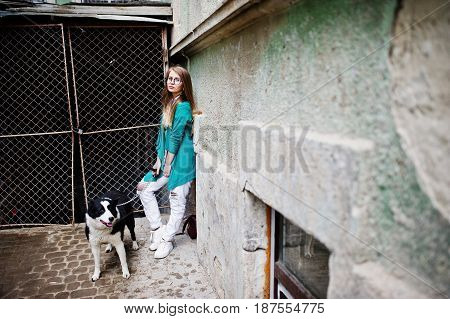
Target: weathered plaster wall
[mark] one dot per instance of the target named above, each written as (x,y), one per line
(231,237)
(189,14)
(374,199)
(421,76)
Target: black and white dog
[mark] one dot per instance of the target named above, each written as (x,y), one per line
(105,224)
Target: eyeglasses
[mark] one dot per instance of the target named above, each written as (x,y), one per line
(175,81)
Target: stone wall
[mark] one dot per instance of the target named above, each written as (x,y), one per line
(369,115)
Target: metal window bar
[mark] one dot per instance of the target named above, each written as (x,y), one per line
(35,127)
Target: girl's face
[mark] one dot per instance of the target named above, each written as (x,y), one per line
(174,84)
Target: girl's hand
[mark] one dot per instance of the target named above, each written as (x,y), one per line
(167,168)
(157,167)
(141,186)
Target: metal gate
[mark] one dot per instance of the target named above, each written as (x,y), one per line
(77,103)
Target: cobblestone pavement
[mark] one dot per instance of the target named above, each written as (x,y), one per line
(56,262)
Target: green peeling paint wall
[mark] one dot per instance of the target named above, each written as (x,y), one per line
(61,2)
(327,64)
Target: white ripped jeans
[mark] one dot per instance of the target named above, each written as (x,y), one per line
(177,199)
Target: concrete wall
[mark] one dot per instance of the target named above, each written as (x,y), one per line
(421,73)
(370,117)
(189,14)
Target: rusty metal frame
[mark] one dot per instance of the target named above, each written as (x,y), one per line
(165,49)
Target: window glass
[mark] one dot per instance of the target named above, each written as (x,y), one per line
(305,257)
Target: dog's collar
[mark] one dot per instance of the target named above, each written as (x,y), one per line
(107,198)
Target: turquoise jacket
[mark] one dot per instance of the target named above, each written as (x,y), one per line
(178,141)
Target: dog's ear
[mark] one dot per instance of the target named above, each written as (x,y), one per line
(114,202)
(90,209)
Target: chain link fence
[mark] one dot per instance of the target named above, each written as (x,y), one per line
(118,76)
(35,127)
(109,79)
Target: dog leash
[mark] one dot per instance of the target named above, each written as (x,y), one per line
(136,196)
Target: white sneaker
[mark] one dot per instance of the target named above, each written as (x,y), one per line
(156,236)
(164,249)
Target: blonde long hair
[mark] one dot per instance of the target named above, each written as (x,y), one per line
(170,105)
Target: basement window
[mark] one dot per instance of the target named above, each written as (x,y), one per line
(300,262)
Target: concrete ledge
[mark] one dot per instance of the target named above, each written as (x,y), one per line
(321,184)
(161,10)
(230,18)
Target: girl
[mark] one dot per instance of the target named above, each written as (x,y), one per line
(175,163)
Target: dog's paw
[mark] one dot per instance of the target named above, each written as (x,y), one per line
(135,245)
(109,248)
(95,277)
(126,275)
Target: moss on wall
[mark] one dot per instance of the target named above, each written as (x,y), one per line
(324,64)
